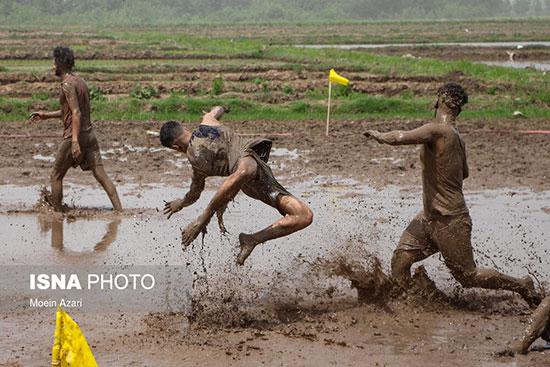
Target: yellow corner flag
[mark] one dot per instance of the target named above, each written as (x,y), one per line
(70,348)
(333,77)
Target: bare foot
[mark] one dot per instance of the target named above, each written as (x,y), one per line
(529,294)
(191,232)
(46,199)
(247,246)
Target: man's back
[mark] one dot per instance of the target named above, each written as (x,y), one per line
(214,150)
(443,170)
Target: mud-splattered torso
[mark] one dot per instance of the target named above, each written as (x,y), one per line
(214,150)
(83,97)
(442,176)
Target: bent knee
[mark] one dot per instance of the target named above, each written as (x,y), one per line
(247,168)
(306,217)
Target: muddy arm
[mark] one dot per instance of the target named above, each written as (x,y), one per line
(465,169)
(70,93)
(246,170)
(196,189)
(194,193)
(36,116)
(422,135)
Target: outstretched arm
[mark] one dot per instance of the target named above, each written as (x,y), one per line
(194,193)
(246,171)
(422,135)
(37,115)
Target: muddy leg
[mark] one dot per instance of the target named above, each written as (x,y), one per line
(454,243)
(101,177)
(246,171)
(56,180)
(401,263)
(414,246)
(538,323)
(298,217)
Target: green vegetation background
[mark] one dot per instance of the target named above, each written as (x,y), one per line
(126,12)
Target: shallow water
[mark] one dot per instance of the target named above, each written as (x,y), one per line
(542,66)
(351,219)
(510,231)
(442,44)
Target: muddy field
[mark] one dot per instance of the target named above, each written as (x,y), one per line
(363,196)
(172,66)
(293,303)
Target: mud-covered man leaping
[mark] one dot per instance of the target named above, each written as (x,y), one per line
(215,150)
(79,146)
(444,225)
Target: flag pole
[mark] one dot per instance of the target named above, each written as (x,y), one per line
(328,111)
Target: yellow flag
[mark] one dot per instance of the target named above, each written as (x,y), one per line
(333,77)
(70,348)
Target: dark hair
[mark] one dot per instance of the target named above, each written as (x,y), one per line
(169,131)
(64,57)
(453,95)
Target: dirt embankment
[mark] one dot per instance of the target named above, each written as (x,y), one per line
(266,84)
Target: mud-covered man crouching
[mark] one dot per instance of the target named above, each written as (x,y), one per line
(80,145)
(444,225)
(215,150)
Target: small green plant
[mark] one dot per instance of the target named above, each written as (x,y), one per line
(317,93)
(342,91)
(299,107)
(288,89)
(257,80)
(79,47)
(3,69)
(407,94)
(265,87)
(492,90)
(218,86)
(297,68)
(41,96)
(144,92)
(96,93)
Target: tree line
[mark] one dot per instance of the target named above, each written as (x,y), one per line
(128,12)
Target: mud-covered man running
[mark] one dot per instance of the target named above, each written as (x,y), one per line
(444,225)
(215,150)
(80,145)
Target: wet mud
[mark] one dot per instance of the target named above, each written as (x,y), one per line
(319,295)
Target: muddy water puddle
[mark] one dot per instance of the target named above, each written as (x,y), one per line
(542,66)
(518,45)
(351,219)
(510,231)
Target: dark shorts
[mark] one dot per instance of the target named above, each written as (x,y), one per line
(546,333)
(424,234)
(89,148)
(264,186)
